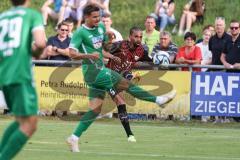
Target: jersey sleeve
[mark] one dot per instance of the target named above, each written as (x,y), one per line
(37,21)
(76,40)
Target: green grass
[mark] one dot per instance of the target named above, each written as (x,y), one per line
(105,140)
(126,13)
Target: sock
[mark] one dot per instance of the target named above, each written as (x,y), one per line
(122,114)
(8,132)
(14,145)
(140,93)
(87,119)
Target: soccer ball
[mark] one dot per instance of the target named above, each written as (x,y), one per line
(161,57)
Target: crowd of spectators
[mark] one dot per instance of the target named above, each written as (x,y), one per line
(156,40)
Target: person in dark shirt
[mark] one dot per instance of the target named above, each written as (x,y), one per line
(57,46)
(230,56)
(129,51)
(217,42)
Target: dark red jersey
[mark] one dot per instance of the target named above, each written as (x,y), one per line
(129,56)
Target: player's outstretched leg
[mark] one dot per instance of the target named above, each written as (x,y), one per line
(140,93)
(87,119)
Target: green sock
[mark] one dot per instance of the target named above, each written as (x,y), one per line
(140,93)
(14,145)
(87,119)
(8,132)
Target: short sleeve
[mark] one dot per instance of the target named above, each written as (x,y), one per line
(76,40)
(225,48)
(37,21)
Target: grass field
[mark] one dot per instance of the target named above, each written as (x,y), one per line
(105,140)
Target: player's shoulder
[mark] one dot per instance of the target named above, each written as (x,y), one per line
(101,27)
(31,10)
(80,30)
(101,24)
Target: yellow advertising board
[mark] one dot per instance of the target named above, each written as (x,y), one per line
(63,88)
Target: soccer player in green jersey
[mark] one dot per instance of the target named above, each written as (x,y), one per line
(21,36)
(86,44)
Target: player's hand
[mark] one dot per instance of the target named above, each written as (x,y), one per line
(116,59)
(94,56)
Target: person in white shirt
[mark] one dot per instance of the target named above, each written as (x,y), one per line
(206,53)
(106,19)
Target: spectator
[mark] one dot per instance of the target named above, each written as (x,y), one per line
(190,53)
(230,56)
(217,42)
(48,11)
(164,10)
(106,19)
(103,5)
(70,23)
(206,53)
(166,45)
(57,46)
(150,34)
(193,11)
(210,28)
(73,9)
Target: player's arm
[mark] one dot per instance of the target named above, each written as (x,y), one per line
(110,56)
(74,54)
(39,42)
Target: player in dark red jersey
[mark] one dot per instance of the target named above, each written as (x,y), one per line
(129,51)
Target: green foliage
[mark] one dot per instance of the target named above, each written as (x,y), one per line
(127,13)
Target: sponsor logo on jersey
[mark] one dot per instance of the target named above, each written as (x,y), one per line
(97,42)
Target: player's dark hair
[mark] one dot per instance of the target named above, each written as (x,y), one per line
(89,9)
(191,35)
(18,2)
(134,29)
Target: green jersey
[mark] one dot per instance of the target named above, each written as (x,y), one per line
(16,27)
(89,40)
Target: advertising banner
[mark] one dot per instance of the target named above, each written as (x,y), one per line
(216,94)
(63,88)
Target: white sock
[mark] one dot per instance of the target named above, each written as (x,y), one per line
(75,138)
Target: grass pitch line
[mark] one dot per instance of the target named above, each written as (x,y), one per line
(133,155)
